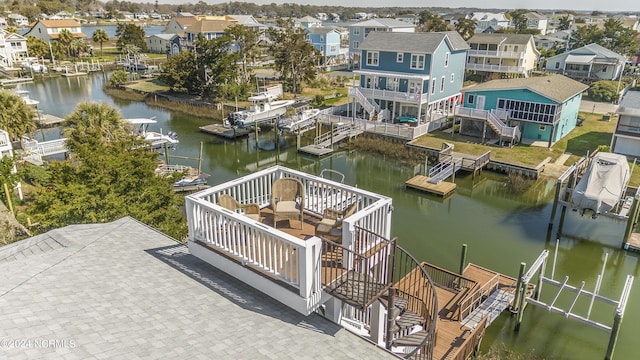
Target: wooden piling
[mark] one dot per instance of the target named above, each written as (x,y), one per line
(463,258)
(613,338)
(518,284)
(555,203)
(8,195)
(631,221)
(523,294)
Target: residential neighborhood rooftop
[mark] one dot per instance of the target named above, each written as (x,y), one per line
(555,87)
(412,42)
(384,22)
(630,104)
(123,289)
(500,38)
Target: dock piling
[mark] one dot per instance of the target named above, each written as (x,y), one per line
(523,267)
(613,338)
(463,258)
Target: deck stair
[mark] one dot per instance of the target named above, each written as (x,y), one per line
(369,106)
(408,326)
(492,307)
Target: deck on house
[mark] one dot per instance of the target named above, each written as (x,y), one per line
(421,182)
(226,131)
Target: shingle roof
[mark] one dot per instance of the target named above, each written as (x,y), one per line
(384,22)
(60,23)
(630,104)
(320,30)
(124,290)
(426,42)
(203,26)
(186,21)
(598,50)
(555,87)
(500,38)
(164,36)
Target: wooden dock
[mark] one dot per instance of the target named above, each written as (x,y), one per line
(74,74)
(421,182)
(14,81)
(316,150)
(226,131)
(633,244)
(47,120)
(190,188)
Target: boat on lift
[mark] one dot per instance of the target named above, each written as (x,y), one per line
(263,107)
(299,121)
(157,140)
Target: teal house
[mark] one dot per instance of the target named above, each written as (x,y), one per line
(539,109)
(410,76)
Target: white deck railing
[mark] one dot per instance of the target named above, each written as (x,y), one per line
(4,139)
(496,68)
(384,94)
(496,53)
(272,251)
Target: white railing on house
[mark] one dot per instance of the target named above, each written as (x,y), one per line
(45,148)
(384,94)
(496,68)
(493,118)
(271,251)
(496,53)
(4,139)
(370,106)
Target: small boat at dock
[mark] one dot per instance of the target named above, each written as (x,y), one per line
(263,108)
(299,121)
(156,139)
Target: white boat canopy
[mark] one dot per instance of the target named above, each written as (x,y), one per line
(603,184)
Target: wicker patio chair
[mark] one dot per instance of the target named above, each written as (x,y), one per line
(330,227)
(287,200)
(251,211)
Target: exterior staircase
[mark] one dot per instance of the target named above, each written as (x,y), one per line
(499,127)
(370,107)
(492,307)
(408,327)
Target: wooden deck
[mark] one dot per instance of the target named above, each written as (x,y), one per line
(633,244)
(226,132)
(421,182)
(316,150)
(46,120)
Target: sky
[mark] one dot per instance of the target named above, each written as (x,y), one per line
(587,5)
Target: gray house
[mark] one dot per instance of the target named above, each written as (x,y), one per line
(359,31)
(626,136)
(588,63)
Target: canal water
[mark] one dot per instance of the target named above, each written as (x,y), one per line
(502,226)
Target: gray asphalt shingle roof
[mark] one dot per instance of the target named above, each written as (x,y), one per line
(555,87)
(412,42)
(124,290)
(500,38)
(630,104)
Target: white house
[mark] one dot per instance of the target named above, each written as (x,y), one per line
(590,63)
(536,21)
(163,43)
(13,48)
(485,20)
(48,30)
(502,53)
(626,136)
(18,20)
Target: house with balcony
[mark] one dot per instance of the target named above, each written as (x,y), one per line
(18,20)
(512,55)
(48,30)
(319,246)
(163,44)
(537,110)
(13,49)
(210,29)
(549,42)
(626,136)
(327,41)
(591,62)
(179,25)
(485,20)
(359,31)
(537,21)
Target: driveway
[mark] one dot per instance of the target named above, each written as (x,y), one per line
(597,107)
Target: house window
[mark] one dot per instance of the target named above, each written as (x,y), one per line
(400,57)
(442,84)
(543,127)
(604,69)
(321,48)
(557,65)
(356,44)
(446,59)
(372,58)
(321,38)
(515,48)
(471,99)
(333,48)
(356,31)
(417,62)
(452,77)
(433,87)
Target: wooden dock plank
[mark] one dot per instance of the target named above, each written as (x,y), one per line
(316,150)
(46,120)
(421,182)
(633,244)
(226,131)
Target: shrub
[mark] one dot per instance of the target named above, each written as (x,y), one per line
(35,175)
(605,90)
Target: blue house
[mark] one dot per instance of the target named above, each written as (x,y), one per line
(542,109)
(410,76)
(327,41)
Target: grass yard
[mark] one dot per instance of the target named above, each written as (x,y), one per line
(148,86)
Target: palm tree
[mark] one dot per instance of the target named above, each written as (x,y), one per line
(78,46)
(466,28)
(100,36)
(93,122)
(16,117)
(65,37)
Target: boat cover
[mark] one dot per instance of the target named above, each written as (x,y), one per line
(602,185)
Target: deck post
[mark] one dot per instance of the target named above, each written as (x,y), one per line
(332,134)
(631,221)
(200,158)
(615,329)
(518,284)
(463,258)
(166,154)
(555,203)
(377,323)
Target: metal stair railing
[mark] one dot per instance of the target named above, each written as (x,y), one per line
(444,169)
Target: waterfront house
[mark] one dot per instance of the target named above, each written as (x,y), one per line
(626,136)
(308,22)
(163,44)
(248,21)
(210,29)
(591,62)
(549,42)
(410,75)
(327,41)
(359,31)
(48,30)
(543,109)
(511,54)
(18,20)
(179,25)
(485,20)
(409,18)
(13,48)
(537,21)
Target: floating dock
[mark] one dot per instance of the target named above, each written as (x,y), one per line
(226,131)
(14,81)
(421,182)
(73,74)
(47,120)
(316,150)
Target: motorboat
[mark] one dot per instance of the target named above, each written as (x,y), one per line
(24,95)
(156,139)
(263,107)
(191,176)
(602,185)
(299,121)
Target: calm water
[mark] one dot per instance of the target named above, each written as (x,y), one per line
(501,228)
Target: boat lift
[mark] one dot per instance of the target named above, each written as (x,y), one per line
(539,266)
